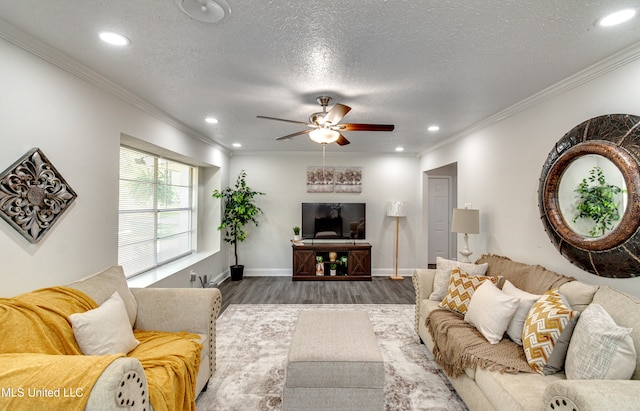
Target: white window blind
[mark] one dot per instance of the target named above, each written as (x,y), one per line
(155,212)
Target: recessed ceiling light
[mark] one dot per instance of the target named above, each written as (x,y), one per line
(616,18)
(114,39)
(211,120)
(433,128)
(237,145)
(399,149)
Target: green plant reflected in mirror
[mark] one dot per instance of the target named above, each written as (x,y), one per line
(589,195)
(592,195)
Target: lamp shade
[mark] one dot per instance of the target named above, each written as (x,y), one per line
(465,220)
(396,209)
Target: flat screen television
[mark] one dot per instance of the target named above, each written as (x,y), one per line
(333,221)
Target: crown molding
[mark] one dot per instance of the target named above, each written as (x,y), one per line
(51,55)
(332,154)
(594,71)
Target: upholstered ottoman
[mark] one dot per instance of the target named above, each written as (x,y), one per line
(334,363)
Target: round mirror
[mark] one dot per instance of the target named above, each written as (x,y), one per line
(589,196)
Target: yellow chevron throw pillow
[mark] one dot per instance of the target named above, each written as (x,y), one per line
(461,289)
(547,332)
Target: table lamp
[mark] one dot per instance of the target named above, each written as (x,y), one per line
(467,221)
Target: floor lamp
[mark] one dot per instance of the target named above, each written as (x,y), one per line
(467,221)
(396,209)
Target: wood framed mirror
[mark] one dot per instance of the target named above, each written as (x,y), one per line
(607,147)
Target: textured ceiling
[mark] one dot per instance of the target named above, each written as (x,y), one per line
(408,63)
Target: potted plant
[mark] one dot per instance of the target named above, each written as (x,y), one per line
(239,210)
(296,233)
(598,202)
(332,268)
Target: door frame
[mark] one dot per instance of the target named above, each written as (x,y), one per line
(449,170)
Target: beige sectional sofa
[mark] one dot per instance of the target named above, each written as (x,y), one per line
(482,389)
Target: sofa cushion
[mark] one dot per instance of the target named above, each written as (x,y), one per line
(490,311)
(600,349)
(525,302)
(578,294)
(547,331)
(625,311)
(102,285)
(443,274)
(104,330)
(461,289)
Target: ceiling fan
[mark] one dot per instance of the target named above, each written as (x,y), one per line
(325,126)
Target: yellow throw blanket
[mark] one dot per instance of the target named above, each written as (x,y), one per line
(170,362)
(42,367)
(48,382)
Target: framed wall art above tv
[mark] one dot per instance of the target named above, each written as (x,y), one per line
(334,179)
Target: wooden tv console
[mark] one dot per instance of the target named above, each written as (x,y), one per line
(357,267)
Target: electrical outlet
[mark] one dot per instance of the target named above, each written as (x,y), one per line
(193,276)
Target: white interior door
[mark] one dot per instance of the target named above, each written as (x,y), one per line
(439,209)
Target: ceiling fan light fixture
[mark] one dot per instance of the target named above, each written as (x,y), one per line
(206,11)
(324,135)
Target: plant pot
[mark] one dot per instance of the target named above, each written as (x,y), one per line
(237,271)
(297,237)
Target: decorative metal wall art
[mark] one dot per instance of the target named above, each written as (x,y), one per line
(616,139)
(33,195)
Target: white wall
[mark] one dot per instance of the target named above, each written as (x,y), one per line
(499,167)
(267,250)
(78,127)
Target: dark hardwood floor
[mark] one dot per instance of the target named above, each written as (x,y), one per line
(282,290)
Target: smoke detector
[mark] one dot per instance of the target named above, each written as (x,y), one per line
(206,11)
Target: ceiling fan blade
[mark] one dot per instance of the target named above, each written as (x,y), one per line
(299,133)
(336,113)
(366,127)
(342,140)
(282,119)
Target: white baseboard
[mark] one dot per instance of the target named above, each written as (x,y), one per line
(388,272)
(267,272)
(286,272)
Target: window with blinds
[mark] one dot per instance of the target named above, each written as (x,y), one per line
(156,210)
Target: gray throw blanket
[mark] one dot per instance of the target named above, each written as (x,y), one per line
(458,345)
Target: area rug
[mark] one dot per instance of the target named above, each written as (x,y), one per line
(253,343)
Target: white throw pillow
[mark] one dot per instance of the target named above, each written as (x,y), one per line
(514,330)
(443,274)
(490,311)
(104,330)
(599,348)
